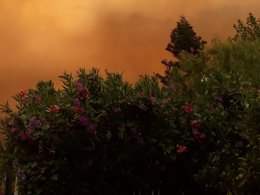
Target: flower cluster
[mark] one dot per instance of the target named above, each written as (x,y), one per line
(97,133)
(90,127)
(53,109)
(81,90)
(78,108)
(195,130)
(23,95)
(187,108)
(181,149)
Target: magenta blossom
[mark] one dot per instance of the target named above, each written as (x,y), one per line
(181,149)
(198,135)
(165,101)
(23,94)
(53,109)
(187,108)
(79,85)
(33,124)
(195,124)
(78,107)
(82,91)
(84,120)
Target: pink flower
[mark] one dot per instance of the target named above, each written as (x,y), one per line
(181,149)
(187,108)
(33,124)
(82,91)
(54,109)
(165,101)
(84,120)
(23,94)
(195,124)
(198,135)
(78,108)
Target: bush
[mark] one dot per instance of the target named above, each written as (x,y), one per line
(224,82)
(100,136)
(95,135)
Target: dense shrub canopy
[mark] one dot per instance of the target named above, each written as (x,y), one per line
(100,135)
(250,30)
(224,81)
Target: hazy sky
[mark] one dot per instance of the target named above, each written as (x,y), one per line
(40,39)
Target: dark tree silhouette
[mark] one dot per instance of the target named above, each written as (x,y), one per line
(249,30)
(183,38)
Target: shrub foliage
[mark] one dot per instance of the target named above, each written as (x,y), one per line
(102,135)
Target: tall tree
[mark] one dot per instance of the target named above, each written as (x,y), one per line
(249,30)
(184,38)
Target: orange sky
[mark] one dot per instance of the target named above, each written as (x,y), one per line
(40,39)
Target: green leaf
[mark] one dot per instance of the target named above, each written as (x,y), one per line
(54,178)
